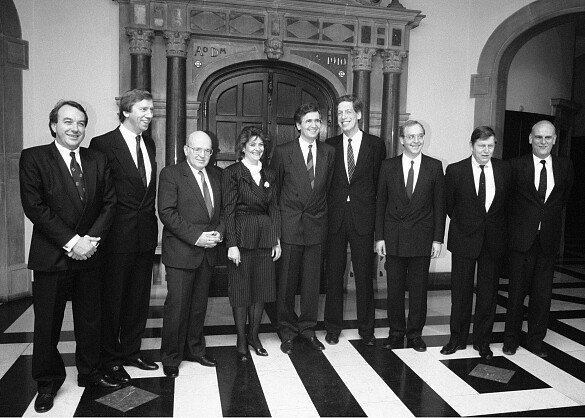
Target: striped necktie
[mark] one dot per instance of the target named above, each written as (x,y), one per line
(310,168)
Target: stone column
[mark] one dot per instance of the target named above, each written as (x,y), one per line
(392,68)
(140,54)
(362,69)
(176,112)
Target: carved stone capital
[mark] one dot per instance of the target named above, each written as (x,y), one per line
(140,41)
(362,58)
(176,43)
(273,48)
(392,60)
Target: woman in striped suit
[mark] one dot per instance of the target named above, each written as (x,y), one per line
(252,221)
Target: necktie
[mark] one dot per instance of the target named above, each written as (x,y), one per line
(410,181)
(481,189)
(310,169)
(542,182)
(77,176)
(140,158)
(206,195)
(350,160)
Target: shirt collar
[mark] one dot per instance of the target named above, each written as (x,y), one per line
(357,137)
(416,160)
(537,160)
(478,165)
(127,133)
(65,152)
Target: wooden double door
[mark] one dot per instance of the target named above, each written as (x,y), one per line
(263,95)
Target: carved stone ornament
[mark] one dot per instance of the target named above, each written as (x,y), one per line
(392,60)
(273,48)
(369,2)
(176,43)
(140,41)
(362,58)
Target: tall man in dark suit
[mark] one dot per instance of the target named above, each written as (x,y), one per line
(477,192)
(352,215)
(68,195)
(541,184)
(130,246)
(410,225)
(189,202)
(304,169)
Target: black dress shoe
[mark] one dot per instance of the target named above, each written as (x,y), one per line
(118,373)
(204,360)
(331,338)
(369,341)
(315,344)
(258,349)
(98,381)
(509,350)
(141,364)
(171,371)
(539,351)
(417,343)
(286,346)
(484,351)
(393,343)
(452,347)
(243,356)
(44,402)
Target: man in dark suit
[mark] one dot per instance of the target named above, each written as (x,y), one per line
(352,215)
(410,225)
(541,184)
(133,238)
(67,194)
(189,202)
(304,169)
(477,192)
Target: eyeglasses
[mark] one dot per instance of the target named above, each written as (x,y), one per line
(311,121)
(411,137)
(206,151)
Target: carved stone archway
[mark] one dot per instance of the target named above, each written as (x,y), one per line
(489,85)
(14,277)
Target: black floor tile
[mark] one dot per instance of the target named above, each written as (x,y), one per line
(11,311)
(17,388)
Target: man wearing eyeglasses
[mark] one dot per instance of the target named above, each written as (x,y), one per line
(189,202)
(410,225)
(304,170)
(541,184)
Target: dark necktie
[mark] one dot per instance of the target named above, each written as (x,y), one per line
(206,195)
(481,189)
(77,176)
(542,183)
(350,160)
(310,169)
(140,159)
(410,181)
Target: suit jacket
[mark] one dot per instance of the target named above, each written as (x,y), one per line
(470,225)
(363,187)
(250,211)
(526,211)
(135,228)
(182,210)
(51,201)
(410,227)
(303,210)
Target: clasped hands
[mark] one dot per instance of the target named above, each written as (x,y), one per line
(84,248)
(209,239)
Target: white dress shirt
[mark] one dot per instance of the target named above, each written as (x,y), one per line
(550,178)
(130,139)
(490,184)
(356,143)
(198,178)
(406,167)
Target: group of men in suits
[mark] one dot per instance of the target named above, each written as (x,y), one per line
(79,199)
(335,192)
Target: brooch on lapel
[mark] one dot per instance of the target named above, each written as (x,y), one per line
(266,184)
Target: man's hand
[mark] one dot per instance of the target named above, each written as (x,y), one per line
(209,239)
(84,248)
(381,248)
(436,250)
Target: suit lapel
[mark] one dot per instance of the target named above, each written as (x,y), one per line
(258,191)
(399,182)
(557,173)
(320,168)
(469,183)
(363,157)
(298,162)
(192,182)
(340,161)
(216,190)
(89,168)
(124,156)
(67,179)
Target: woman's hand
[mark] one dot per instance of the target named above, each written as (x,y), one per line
(234,255)
(276,251)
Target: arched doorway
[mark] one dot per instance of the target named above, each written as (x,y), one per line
(14,277)
(262,93)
